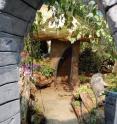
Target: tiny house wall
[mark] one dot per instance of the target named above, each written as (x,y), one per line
(69,65)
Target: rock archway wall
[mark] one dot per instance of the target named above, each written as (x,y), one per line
(16,17)
(109,9)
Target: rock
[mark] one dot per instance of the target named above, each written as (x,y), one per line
(42,78)
(98,84)
(58,80)
(10,43)
(9,91)
(22,11)
(112,18)
(8,74)
(53,78)
(35,75)
(33,91)
(107,3)
(45,83)
(34,3)
(9,110)
(9,58)
(12,25)
(42,81)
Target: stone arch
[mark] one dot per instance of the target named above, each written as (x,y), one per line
(109,9)
(16,17)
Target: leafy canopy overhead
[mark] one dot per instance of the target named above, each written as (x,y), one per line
(79,18)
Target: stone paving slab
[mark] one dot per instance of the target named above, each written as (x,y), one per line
(57,109)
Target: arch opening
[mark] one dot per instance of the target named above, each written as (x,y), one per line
(64,66)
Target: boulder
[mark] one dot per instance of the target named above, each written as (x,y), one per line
(97,83)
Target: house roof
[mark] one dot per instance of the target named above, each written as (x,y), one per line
(51,32)
(59,35)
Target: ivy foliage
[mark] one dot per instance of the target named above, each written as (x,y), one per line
(46,71)
(89,23)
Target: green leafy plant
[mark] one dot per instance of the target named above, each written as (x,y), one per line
(84,79)
(84,89)
(90,62)
(93,116)
(46,70)
(76,103)
(111,80)
(90,23)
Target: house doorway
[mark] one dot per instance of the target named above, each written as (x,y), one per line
(64,66)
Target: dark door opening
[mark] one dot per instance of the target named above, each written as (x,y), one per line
(43,48)
(64,65)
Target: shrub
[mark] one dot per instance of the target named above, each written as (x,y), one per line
(89,61)
(46,70)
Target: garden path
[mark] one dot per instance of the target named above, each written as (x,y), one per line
(56,106)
